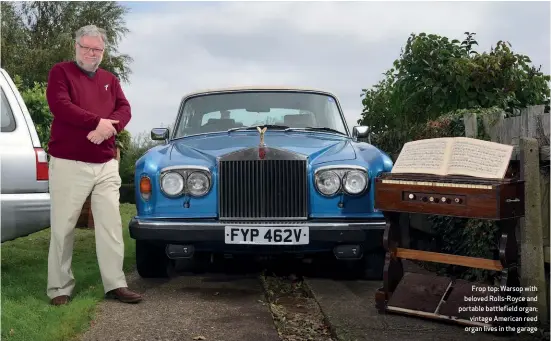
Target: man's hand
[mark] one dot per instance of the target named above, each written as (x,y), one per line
(103,131)
(105,128)
(95,137)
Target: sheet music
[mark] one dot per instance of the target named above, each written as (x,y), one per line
(479,158)
(423,156)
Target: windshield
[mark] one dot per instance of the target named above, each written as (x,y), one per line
(220,112)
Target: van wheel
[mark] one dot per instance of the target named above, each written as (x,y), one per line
(152,261)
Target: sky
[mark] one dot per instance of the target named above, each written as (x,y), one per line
(342,47)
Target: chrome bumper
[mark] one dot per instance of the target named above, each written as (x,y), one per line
(200,230)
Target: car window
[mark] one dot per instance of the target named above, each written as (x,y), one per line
(7,121)
(223,111)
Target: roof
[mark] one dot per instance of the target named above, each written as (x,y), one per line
(257,88)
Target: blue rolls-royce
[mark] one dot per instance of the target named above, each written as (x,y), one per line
(258,171)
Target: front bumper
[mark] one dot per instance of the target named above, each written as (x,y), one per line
(209,235)
(23,214)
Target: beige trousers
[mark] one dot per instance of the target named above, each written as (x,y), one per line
(70,184)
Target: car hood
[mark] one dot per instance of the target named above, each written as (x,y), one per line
(318,147)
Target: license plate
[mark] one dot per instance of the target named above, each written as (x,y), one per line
(267,235)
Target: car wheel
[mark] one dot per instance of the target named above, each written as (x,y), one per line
(371,266)
(152,261)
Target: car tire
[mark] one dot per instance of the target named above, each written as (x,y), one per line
(152,261)
(371,266)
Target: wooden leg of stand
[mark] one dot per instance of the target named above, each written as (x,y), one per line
(391,236)
(508,256)
(508,250)
(393,270)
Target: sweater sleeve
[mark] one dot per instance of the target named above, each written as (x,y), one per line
(61,106)
(122,112)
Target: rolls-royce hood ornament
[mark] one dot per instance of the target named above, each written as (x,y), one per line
(261,145)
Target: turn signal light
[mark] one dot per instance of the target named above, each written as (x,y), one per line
(145,187)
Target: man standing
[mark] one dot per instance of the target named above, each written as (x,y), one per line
(89,108)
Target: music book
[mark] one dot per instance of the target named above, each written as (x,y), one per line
(454,156)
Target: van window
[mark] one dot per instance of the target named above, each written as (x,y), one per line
(7,121)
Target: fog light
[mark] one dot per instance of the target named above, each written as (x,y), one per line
(347,252)
(179,251)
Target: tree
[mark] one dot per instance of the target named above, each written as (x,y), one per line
(13,38)
(435,75)
(36,35)
(44,31)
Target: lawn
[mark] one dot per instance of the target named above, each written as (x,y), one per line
(26,312)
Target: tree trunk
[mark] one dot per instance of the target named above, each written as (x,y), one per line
(86,219)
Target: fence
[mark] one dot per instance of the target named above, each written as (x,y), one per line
(532,126)
(529,133)
(531,122)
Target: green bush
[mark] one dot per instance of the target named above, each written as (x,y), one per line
(35,100)
(122,141)
(435,75)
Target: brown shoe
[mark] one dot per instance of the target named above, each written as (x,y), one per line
(60,300)
(124,295)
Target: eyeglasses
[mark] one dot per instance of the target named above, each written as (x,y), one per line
(88,49)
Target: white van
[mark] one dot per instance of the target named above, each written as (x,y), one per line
(24,194)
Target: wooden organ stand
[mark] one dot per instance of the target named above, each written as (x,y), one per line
(438,297)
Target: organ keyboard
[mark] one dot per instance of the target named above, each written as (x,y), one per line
(458,196)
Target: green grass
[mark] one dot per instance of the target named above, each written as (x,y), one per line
(26,312)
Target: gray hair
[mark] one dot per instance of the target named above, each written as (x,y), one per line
(92,31)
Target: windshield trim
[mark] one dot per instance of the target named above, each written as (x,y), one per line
(227,91)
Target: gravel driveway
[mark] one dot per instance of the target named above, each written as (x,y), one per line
(213,307)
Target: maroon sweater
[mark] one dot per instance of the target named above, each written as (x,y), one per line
(78,100)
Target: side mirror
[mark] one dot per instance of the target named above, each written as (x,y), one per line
(360,132)
(159,134)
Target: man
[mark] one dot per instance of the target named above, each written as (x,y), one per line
(89,108)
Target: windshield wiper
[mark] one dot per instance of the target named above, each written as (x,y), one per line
(269,126)
(318,129)
(286,128)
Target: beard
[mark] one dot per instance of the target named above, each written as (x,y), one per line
(90,65)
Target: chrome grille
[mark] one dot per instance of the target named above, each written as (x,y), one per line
(263,189)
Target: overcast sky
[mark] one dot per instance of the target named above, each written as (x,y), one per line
(179,47)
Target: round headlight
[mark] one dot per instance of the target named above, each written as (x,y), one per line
(198,184)
(328,182)
(172,184)
(355,182)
